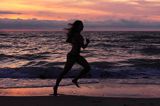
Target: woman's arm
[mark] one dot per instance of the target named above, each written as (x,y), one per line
(85,45)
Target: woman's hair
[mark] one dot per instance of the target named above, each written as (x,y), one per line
(76,27)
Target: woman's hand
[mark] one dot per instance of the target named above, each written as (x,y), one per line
(87,41)
(85,45)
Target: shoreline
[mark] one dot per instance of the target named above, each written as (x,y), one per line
(92,90)
(87,95)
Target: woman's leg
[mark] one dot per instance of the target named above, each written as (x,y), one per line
(67,67)
(86,68)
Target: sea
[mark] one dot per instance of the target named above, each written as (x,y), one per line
(36,58)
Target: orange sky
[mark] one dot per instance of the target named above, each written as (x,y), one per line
(81,9)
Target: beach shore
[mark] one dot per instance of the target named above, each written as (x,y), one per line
(87,95)
(70,100)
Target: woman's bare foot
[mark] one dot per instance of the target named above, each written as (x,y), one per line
(76,83)
(55,90)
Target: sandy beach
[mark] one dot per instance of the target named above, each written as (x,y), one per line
(87,95)
(67,100)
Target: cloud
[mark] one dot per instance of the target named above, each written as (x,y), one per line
(34,24)
(21,24)
(97,10)
(9,12)
(123,25)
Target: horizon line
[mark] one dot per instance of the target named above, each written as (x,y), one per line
(50,30)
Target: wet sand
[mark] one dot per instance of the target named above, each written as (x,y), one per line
(68,100)
(88,95)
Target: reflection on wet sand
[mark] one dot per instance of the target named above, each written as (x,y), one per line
(95,90)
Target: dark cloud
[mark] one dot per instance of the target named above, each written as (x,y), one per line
(124,25)
(30,24)
(9,12)
(34,24)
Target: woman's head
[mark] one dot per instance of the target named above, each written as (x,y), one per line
(76,27)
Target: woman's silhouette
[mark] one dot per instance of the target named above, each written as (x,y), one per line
(75,38)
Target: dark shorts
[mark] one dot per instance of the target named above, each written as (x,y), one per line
(76,58)
(73,57)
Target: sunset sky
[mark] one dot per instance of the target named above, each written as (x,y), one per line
(111,14)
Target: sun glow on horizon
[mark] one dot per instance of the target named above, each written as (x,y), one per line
(85,9)
(122,14)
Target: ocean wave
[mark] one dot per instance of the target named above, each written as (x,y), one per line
(111,54)
(129,72)
(34,83)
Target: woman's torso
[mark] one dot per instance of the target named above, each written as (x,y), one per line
(76,42)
